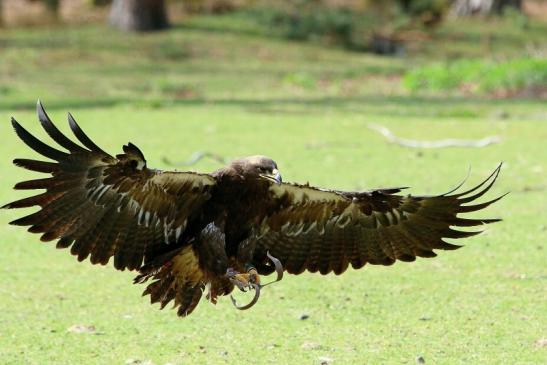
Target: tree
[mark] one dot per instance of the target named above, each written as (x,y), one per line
(139,15)
(52,5)
(483,7)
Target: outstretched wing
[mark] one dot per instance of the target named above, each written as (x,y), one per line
(324,230)
(103,206)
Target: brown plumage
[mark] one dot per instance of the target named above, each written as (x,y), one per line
(188,232)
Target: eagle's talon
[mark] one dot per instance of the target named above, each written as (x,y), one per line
(251,280)
(254,278)
(256,287)
(241,285)
(243,281)
(278,269)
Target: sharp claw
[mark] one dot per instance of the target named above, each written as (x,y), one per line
(256,287)
(278,266)
(240,285)
(278,269)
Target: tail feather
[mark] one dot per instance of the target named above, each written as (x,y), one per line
(178,278)
(166,288)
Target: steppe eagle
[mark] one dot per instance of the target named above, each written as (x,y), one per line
(189,233)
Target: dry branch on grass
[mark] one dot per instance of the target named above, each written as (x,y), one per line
(195,158)
(442,143)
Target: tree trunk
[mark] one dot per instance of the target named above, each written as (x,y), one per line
(483,7)
(139,15)
(52,6)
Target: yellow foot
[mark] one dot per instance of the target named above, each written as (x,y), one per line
(244,281)
(251,280)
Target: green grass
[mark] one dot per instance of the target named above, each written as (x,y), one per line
(235,94)
(479,75)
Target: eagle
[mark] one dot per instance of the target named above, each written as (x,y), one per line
(191,234)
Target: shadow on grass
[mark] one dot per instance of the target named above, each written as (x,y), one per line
(250,31)
(272,34)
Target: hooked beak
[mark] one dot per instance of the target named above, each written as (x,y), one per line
(275,176)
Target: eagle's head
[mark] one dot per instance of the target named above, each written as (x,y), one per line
(254,167)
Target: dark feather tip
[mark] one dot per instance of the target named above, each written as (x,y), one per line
(82,137)
(42,115)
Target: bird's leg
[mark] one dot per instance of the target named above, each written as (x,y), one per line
(251,280)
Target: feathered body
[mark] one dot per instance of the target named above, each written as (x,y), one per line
(186,231)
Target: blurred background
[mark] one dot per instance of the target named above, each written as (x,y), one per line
(347,94)
(209,49)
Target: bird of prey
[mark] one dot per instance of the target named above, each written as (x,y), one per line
(190,234)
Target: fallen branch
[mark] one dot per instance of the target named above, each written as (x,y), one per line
(433,144)
(195,158)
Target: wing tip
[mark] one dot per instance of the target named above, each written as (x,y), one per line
(449,246)
(82,137)
(461,183)
(15,124)
(71,120)
(489,181)
(40,108)
(494,174)
(476,207)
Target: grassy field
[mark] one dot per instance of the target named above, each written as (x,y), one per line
(234,93)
